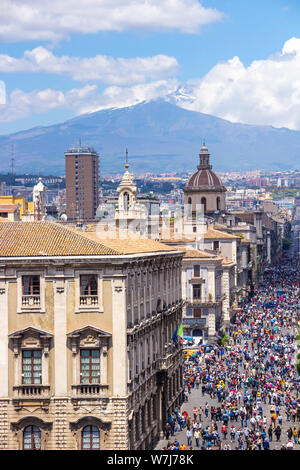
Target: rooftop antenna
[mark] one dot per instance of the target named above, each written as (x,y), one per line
(126,160)
(79,142)
(12,160)
(12,166)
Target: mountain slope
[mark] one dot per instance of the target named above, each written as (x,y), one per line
(160,137)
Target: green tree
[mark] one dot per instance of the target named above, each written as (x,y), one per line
(286,243)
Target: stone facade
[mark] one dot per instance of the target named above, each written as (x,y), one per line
(128,320)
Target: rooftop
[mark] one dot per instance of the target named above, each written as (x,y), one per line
(194,253)
(9,208)
(217,234)
(36,239)
(81,150)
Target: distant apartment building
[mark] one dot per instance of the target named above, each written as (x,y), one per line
(82,182)
(2,188)
(9,212)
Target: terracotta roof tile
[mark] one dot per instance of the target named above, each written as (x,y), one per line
(217,234)
(193,253)
(45,239)
(128,246)
(11,208)
(52,239)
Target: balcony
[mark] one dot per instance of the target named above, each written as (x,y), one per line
(196,280)
(205,302)
(166,362)
(31,301)
(32,391)
(89,390)
(194,322)
(88,300)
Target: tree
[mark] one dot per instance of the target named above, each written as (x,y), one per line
(223,340)
(286,244)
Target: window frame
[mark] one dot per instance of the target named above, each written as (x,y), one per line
(31,285)
(89,276)
(90,426)
(36,308)
(197,275)
(32,434)
(98,307)
(32,351)
(197,287)
(90,376)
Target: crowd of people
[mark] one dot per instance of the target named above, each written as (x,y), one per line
(248,389)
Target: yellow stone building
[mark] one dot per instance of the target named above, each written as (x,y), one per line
(26,207)
(87,359)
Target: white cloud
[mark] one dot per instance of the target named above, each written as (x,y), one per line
(121,97)
(39,20)
(2,92)
(107,69)
(267,92)
(20,105)
(81,100)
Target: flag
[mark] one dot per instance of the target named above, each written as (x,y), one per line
(174,337)
(180,330)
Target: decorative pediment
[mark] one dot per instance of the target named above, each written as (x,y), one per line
(31,331)
(31,337)
(100,422)
(86,329)
(31,420)
(87,337)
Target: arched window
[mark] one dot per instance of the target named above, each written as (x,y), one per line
(218,204)
(32,438)
(203,202)
(90,438)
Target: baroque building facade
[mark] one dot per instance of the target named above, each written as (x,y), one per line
(86,325)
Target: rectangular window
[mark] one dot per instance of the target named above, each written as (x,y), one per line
(32,367)
(88,289)
(31,285)
(197,271)
(197,313)
(88,284)
(216,245)
(197,291)
(90,366)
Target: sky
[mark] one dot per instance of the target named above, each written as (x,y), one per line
(238,60)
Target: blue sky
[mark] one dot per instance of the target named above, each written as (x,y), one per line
(239,60)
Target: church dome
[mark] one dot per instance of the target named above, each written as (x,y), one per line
(204,179)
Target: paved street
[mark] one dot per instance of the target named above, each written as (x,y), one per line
(196,399)
(256,365)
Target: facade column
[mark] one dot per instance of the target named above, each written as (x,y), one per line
(211,320)
(60,399)
(60,334)
(120,428)
(4,430)
(119,328)
(3,339)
